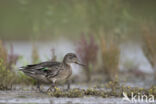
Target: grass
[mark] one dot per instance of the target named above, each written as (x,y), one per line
(110,57)
(7,76)
(149,48)
(87,50)
(3,53)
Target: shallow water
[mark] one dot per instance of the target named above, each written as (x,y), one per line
(85,100)
(32,97)
(28,95)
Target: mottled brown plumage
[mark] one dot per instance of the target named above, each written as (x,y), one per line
(52,72)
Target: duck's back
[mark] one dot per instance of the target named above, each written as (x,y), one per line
(42,70)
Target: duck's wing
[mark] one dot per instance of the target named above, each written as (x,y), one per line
(44,68)
(53,71)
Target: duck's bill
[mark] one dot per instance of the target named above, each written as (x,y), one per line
(79,64)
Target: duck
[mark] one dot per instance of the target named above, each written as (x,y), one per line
(52,71)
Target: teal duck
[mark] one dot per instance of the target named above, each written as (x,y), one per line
(52,72)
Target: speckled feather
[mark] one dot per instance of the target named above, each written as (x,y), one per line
(51,71)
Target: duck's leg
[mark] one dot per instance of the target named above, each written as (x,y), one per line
(51,87)
(38,86)
(68,84)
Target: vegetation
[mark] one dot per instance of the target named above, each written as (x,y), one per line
(12,58)
(87,51)
(7,76)
(149,48)
(54,18)
(3,53)
(110,57)
(112,23)
(112,89)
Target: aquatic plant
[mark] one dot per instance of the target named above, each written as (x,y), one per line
(12,58)
(3,53)
(149,48)
(8,59)
(7,75)
(110,57)
(112,89)
(87,51)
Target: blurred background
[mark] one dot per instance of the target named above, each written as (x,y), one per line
(51,19)
(114,38)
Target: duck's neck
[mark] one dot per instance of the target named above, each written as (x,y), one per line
(65,63)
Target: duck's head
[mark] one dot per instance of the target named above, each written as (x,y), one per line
(71,58)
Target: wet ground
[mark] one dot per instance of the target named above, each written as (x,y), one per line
(28,95)
(32,97)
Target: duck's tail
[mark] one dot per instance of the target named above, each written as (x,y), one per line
(26,70)
(21,68)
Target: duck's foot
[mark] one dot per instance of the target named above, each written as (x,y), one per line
(51,89)
(68,85)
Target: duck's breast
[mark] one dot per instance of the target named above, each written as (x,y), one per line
(64,74)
